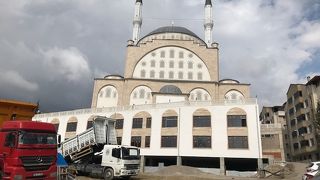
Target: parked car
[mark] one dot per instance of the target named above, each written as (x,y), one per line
(312,171)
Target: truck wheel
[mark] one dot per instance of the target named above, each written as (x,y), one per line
(108,174)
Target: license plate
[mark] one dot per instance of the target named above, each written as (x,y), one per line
(37,174)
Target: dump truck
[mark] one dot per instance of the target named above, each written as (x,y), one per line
(28,150)
(95,152)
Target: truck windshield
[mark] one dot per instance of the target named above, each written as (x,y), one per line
(130,153)
(29,138)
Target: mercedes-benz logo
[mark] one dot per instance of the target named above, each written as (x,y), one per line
(39,159)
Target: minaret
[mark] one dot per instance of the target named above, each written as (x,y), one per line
(208,23)
(137,21)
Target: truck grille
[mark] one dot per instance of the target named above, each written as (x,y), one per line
(132,166)
(36,163)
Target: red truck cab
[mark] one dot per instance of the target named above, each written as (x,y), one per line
(28,150)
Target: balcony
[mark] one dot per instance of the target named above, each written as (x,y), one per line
(219,102)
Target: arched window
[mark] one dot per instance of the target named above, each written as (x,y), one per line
(234,95)
(199,94)
(72,124)
(170,89)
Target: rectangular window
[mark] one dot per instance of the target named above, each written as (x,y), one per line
(201,141)
(190,75)
(136,141)
(296,146)
(294,133)
(201,121)
(180,75)
(181,64)
(303,130)
(237,121)
(304,143)
(119,124)
(181,55)
(147,142)
(297,94)
(162,54)
(153,63)
(238,142)
(89,124)
(72,126)
(171,64)
(168,141)
(137,123)
(148,125)
(169,121)
(119,140)
(171,75)
(199,76)
(161,74)
(171,53)
(302,117)
(293,122)
(299,106)
(291,111)
(290,100)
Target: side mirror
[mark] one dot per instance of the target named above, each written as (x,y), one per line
(59,138)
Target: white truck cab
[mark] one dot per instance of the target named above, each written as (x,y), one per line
(95,152)
(124,160)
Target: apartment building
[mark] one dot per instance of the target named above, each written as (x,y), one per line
(300,111)
(273,133)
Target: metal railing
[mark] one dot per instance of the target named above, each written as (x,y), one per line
(220,102)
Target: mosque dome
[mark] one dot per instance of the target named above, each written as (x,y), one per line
(173,33)
(173,29)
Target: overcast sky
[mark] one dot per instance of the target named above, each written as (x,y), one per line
(51,50)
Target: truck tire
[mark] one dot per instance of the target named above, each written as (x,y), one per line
(108,174)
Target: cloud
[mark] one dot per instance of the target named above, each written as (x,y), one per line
(57,47)
(69,63)
(265,43)
(15,80)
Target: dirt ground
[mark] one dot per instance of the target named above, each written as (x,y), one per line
(293,171)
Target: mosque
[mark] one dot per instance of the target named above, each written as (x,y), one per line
(172,104)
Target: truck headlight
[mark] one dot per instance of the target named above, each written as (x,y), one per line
(18,177)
